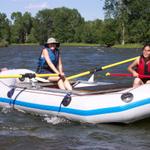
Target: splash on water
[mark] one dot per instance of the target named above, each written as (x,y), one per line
(55,120)
(7,109)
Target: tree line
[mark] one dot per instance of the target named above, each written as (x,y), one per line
(126,21)
(132,19)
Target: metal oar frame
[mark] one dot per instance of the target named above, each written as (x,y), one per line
(27,75)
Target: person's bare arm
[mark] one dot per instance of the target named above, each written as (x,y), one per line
(60,65)
(132,66)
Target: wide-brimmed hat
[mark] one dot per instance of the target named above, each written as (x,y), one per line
(52,41)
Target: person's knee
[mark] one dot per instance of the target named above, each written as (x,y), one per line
(148,81)
(137,82)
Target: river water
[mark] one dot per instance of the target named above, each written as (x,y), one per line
(28,132)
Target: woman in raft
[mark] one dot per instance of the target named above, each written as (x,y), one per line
(141,66)
(50,62)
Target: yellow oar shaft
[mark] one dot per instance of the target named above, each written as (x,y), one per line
(102,68)
(20,76)
(11,76)
(79,75)
(46,75)
(118,63)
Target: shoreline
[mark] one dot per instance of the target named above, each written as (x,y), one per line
(4,44)
(131,45)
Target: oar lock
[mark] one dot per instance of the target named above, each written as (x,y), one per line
(27,75)
(96,70)
(67,99)
(10,93)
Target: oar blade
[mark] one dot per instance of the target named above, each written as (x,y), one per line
(91,79)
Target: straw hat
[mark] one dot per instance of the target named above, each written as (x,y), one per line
(52,40)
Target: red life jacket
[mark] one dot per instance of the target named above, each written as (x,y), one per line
(143,68)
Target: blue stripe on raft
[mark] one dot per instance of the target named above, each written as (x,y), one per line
(99,111)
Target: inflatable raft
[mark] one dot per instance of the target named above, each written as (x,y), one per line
(81,104)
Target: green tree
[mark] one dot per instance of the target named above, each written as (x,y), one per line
(139,26)
(42,25)
(98,27)
(132,18)
(4,28)
(109,34)
(118,10)
(61,23)
(21,26)
(27,25)
(17,30)
(65,23)
(88,33)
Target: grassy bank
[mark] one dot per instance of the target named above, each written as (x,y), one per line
(87,44)
(25,44)
(79,44)
(3,43)
(62,44)
(115,46)
(128,46)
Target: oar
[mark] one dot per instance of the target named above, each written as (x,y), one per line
(101,68)
(32,75)
(125,75)
(26,75)
(118,74)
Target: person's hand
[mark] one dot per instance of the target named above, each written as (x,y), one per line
(135,74)
(62,75)
(3,69)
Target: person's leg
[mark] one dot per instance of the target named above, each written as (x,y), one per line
(59,82)
(148,81)
(67,85)
(137,82)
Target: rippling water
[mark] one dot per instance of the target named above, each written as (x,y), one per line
(25,131)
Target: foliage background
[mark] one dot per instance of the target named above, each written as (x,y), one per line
(126,21)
